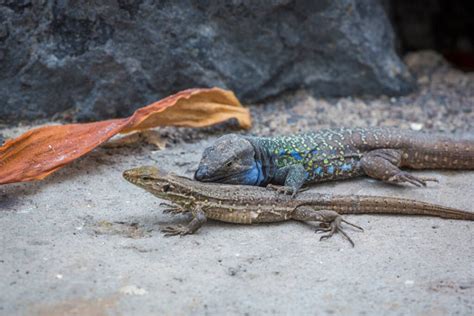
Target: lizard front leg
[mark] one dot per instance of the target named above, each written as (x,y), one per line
(198,220)
(292,177)
(332,218)
(383,164)
(173,208)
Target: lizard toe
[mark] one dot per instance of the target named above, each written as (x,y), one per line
(175,230)
(335,226)
(405,177)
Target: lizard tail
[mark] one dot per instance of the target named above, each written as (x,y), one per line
(389,205)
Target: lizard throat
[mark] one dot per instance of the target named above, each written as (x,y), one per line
(251,176)
(255,176)
(263,168)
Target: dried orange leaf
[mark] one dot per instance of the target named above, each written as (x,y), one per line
(152,137)
(193,108)
(41,151)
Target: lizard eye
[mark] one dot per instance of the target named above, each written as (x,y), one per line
(229,163)
(166,187)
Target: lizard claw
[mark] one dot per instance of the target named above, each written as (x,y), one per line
(180,230)
(407,177)
(330,222)
(282,189)
(334,227)
(322,230)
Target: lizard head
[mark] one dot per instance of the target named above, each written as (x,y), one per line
(231,159)
(151,179)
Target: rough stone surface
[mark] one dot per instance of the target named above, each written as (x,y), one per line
(86,242)
(90,60)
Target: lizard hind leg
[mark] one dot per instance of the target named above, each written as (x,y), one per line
(383,164)
(331,220)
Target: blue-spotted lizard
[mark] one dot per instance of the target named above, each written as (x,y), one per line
(332,154)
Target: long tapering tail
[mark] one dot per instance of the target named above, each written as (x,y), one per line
(360,204)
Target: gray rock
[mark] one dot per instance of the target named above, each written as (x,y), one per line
(104,60)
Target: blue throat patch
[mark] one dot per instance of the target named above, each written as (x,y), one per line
(254,176)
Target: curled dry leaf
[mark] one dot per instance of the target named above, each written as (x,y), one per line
(41,151)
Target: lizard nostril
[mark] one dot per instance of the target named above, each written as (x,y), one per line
(200,173)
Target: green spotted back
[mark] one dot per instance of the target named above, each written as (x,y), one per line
(326,155)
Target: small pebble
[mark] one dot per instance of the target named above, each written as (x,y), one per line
(416,126)
(409,282)
(132,290)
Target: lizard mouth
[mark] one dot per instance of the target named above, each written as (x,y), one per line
(129,177)
(231,178)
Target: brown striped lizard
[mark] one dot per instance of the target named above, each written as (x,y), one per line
(243,204)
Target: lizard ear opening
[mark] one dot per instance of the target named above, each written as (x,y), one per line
(166,188)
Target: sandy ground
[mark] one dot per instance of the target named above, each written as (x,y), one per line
(86,242)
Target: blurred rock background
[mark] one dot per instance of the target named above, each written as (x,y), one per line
(81,60)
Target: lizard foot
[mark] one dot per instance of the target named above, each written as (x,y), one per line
(180,230)
(407,177)
(285,189)
(334,227)
(330,222)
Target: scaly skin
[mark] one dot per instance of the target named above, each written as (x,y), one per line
(250,205)
(333,154)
